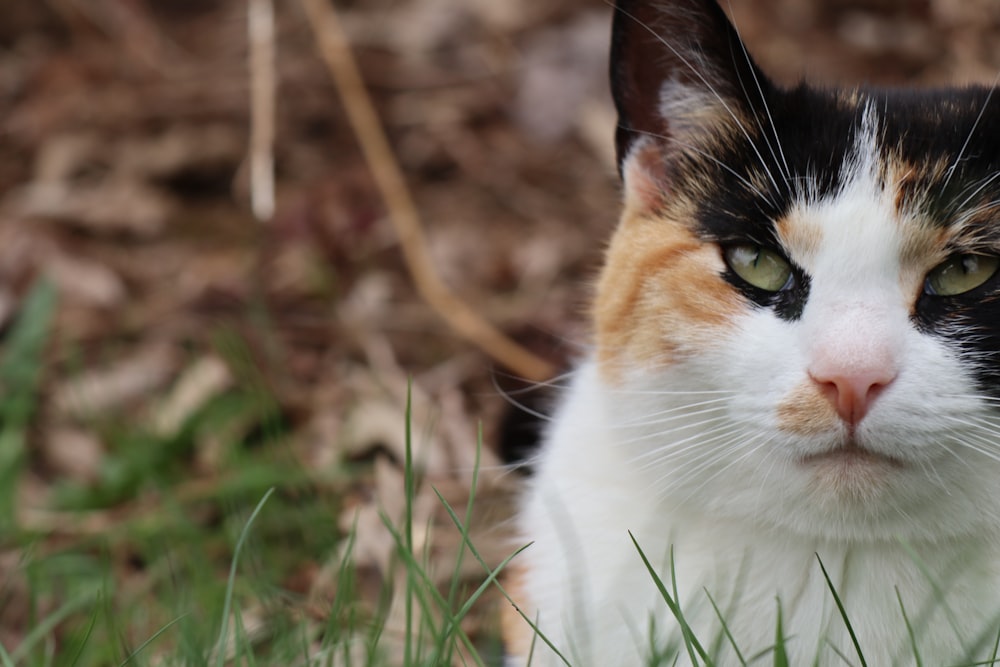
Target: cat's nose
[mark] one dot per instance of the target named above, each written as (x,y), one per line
(852,393)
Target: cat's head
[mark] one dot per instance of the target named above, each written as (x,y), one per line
(799,315)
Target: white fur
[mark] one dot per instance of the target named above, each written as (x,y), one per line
(689,458)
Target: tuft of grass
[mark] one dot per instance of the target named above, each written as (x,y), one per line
(150,564)
(20,377)
(695,650)
(227,606)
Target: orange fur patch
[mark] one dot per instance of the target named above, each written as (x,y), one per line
(800,236)
(805,411)
(661,292)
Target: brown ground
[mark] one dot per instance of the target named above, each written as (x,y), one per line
(123,181)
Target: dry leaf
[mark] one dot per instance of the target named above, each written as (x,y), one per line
(100,391)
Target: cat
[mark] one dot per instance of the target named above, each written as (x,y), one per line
(795,375)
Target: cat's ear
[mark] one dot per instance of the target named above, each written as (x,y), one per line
(678,70)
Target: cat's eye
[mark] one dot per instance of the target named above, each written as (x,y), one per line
(961,273)
(759,266)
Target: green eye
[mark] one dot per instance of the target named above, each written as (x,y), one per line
(961,273)
(762,268)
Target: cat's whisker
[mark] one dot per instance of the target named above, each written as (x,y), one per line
(748,448)
(988,425)
(961,153)
(985,182)
(774,458)
(666,392)
(680,448)
(972,440)
(560,381)
(672,445)
(695,458)
(767,109)
(980,450)
(931,473)
(677,412)
(984,440)
(679,422)
(977,397)
(979,210)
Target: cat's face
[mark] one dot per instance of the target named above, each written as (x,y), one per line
(799,316)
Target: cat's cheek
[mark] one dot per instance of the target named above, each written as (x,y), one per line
(661,297)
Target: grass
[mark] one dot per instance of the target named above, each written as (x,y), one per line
(148,564)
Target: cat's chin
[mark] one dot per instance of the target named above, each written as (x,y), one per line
(851,469)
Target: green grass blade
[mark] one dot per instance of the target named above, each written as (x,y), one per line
(840,654)
(725,629)
(5,659)
(427,589)
(490,579)
(410,492)
(780,656)
(691,643)
(538,634)
(909,630)
(86,635)
(984,639)
(220,659)
(139,649)
(461,526)
(843,612)
(44,627)
(939,601)
(20,376)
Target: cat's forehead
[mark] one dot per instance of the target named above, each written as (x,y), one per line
(833,163)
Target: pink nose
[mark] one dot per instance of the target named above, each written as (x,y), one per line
(852,393)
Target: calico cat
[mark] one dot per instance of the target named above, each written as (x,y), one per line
(796,363)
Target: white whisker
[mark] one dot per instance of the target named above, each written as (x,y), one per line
(699,438)
(972,131)
(767,110)
(673,414)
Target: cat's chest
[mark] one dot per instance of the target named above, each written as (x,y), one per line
(751,579)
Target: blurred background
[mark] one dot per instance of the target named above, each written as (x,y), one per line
(165,358)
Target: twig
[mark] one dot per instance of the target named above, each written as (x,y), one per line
(260,29)
(388,175)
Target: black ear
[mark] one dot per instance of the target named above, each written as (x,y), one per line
(675,64)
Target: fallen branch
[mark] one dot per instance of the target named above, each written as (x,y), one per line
(388,175)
